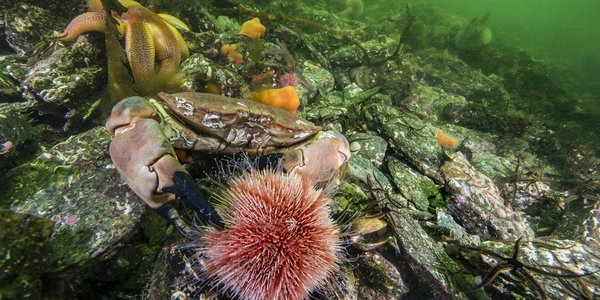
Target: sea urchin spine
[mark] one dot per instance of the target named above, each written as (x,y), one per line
(279,241)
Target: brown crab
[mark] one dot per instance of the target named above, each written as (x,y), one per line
(146,130)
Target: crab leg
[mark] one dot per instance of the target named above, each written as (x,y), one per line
(147,162)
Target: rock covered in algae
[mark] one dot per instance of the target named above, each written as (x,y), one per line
(421,259)
(16,133)
(62,83)
(22,254)
(454,76)
(477,204)
(378,278)
(199,72)
(74,185)
(410,137)
(416,188)
(67,8)
(27,25)
(552,256)
(58,79)
(318,77)
(10,90)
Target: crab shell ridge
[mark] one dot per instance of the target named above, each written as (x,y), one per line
(239,124)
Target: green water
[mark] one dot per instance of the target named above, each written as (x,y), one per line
(565,35)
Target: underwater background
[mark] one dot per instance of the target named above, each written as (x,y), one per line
(473,128)
(565,36)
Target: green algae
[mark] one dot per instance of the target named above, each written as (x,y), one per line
(23,254)
(25,180)
(155,228)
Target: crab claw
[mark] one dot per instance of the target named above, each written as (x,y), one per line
(319,159)
(148,163)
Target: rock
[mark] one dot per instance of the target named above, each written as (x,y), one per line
(477,205)
(10,90)
(352,55)
(394,78)
(325,109)
(429,102)
(474,35)
(199,72)
(67,8)
(355,96)
(410,138)
(580,222)
(17,135)
(366,77)
(416,188)
(371,147)
(346,56)
(483,157)
(377,278)
(23,257)
(62,83)
(421,260)
(27,25)
(178,274)
(445,221)
(226,24)
(321,80)
(454,77)
(526,195)
(74,185)
(552,256)
(362,170)
(365,162)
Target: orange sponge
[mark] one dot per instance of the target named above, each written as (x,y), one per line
(253,28)
(232,53)
(285,98)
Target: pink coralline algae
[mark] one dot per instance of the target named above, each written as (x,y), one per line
(72,219)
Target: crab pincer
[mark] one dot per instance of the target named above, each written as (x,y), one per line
(147,162)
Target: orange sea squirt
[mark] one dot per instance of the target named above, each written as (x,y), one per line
(285,98)
(446,141)
(253,28)
(232,53)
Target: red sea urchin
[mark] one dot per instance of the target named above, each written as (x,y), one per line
(279,241)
